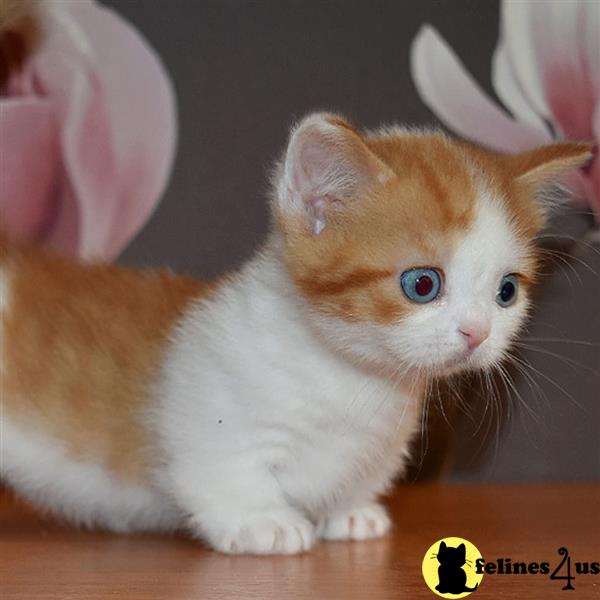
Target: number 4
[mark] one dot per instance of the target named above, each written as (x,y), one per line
(565,554)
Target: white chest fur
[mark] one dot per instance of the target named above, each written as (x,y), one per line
(253,408)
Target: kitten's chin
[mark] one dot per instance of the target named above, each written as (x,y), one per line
(463,363)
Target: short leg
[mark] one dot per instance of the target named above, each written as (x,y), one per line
(240,509)
(366,521)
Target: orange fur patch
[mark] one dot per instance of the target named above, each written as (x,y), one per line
(81,347)
(413,218)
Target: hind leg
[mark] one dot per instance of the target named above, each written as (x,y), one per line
(38,468)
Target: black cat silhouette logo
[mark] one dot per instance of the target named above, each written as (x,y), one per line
(449,568)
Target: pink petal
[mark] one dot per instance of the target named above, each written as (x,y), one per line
(580,188)
(114,108)
(90,185)
(549,45)
(141,109)
(458,100)
(585,183)
(511,93)
(88,196)
(594,171)
(570,89)
(28,164)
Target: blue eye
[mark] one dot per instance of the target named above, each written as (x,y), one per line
(421,285)
(507,291)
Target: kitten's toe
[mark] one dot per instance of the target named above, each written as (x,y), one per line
(362,523)
(281,532)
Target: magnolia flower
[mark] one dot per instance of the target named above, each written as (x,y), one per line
(546,71)
(87,126)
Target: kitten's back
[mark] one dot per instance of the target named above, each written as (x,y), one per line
(80,344)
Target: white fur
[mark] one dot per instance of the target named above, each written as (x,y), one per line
(274,432)
(267,432)
(369,521)
(37,467)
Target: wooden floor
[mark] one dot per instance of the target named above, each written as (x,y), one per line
(40,559)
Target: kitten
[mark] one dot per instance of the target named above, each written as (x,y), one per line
(271,408)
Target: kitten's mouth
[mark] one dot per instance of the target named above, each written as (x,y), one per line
(462,361)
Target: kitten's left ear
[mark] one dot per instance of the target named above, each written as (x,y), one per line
(542,167)
(327,168)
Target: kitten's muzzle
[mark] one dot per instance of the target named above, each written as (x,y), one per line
(474,335)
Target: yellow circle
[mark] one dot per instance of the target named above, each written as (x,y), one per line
(449,568)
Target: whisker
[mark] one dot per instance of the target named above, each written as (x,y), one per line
(567,256)
(576,241)
(563,341)
(565,359)
(563,261)
(508,381)
(526,364)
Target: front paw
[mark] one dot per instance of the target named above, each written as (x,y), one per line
(276,532)
(362,523)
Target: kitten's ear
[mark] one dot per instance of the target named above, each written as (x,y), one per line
(442,546)
(462,548)
(327,166)
(543,167)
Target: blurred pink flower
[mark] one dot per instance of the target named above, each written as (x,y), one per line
(546,71)
(87,133)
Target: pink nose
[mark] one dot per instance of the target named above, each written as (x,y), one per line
(475,336)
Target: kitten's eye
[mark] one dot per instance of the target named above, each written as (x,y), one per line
(421,285)
(507,292)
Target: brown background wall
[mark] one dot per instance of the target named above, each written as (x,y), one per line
(244,70)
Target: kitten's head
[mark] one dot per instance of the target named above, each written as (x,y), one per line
(450,556)
(412,250)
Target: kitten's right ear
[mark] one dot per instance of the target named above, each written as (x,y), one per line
(442,546)
(543,166)
(327,166)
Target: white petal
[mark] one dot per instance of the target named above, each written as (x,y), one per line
(459,102)
(516,33)
(510,92)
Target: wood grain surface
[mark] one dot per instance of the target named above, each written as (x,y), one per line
(40,559)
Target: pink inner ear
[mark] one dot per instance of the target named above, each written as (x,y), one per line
(327,162)
(325,158)
(316,210)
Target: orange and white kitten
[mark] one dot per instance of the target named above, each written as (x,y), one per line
(270,409)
